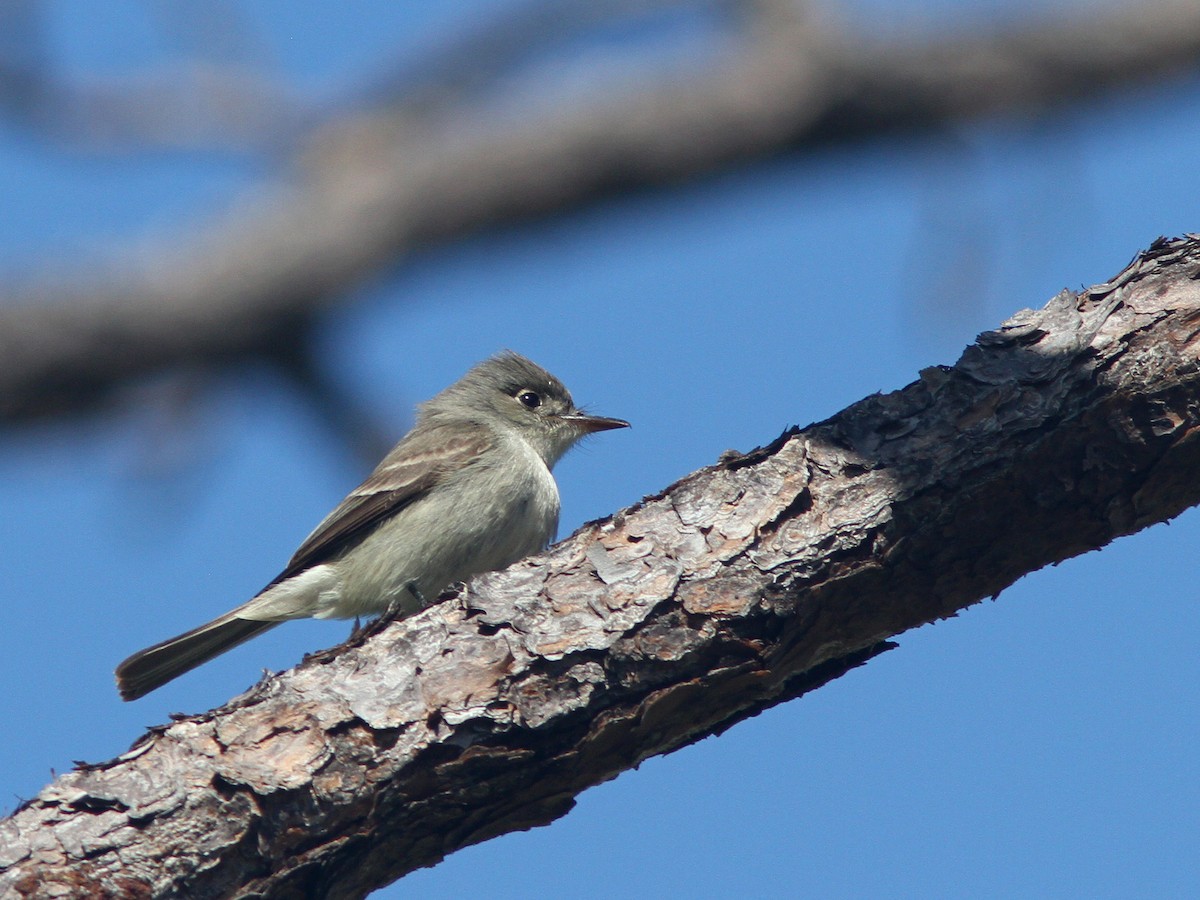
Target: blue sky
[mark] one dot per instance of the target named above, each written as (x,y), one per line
(1038,745)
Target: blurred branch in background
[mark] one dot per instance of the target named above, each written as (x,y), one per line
(210,92)
(459,144)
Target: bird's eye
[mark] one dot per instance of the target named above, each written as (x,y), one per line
(529,399)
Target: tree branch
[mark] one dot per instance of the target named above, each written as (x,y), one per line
(372,186)
(743,585)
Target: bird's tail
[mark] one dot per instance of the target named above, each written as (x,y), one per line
(153,667)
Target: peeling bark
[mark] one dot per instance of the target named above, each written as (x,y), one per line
(743,585)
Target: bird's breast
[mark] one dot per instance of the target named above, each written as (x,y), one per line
(485,516)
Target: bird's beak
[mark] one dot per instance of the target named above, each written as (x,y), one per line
(586,424)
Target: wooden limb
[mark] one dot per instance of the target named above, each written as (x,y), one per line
(744,585)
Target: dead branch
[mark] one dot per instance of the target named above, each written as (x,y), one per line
(743,585)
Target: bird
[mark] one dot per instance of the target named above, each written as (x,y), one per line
(468,489)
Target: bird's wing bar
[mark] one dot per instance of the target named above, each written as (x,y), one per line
(411,470)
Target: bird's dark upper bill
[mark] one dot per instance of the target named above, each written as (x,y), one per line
(588,424)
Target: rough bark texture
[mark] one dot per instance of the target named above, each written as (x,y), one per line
(743,585)
(374,185)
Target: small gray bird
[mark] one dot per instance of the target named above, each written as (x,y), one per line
(467,490)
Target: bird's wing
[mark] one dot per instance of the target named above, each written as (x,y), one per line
(413,468)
